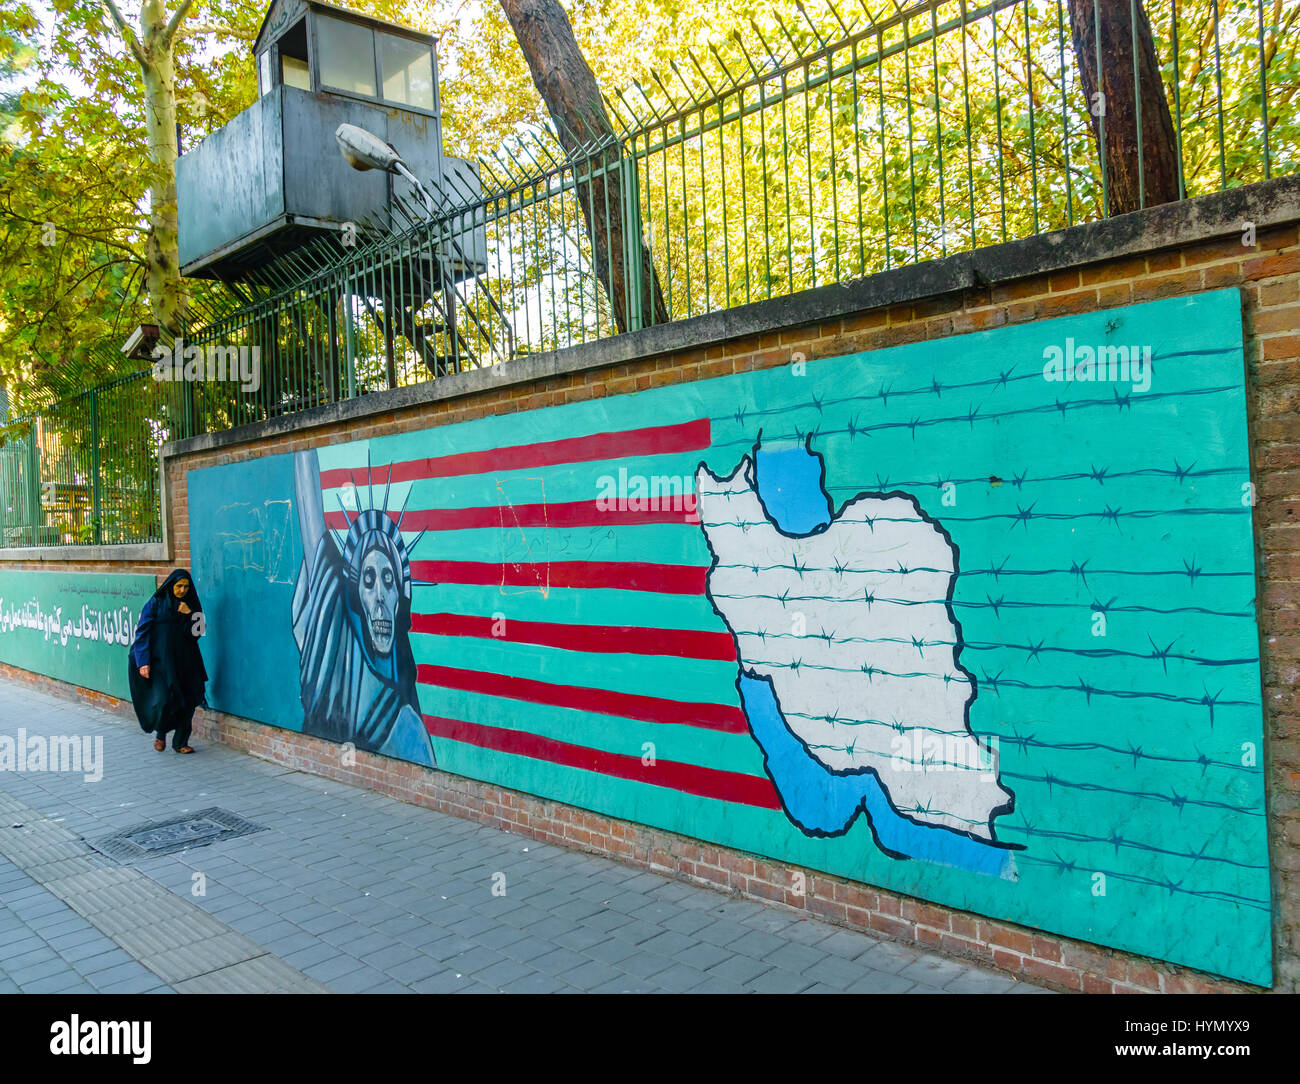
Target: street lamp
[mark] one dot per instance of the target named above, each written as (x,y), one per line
(364,150)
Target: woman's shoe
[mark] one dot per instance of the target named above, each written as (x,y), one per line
(184,749)
(159,744)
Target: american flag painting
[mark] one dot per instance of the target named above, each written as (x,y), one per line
(522,605)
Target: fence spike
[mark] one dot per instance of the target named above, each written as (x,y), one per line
(682,79)
(788,36)
(821,42)
(613,109)
(699,68)
(649,103)
(745,53)
(843,25)
(655,76)
(721,64)
(777,62)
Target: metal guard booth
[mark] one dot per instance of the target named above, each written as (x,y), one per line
(273,179)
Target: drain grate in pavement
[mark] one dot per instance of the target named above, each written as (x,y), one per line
(178,834)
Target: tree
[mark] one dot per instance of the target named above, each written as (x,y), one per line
(568,87)
(75,177)
(153,51)
(1121,80)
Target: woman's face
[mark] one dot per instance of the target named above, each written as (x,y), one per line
(181,588)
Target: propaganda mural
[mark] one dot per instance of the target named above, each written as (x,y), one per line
(72,626)
(972,620)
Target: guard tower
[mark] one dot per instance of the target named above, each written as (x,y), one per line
(273,178)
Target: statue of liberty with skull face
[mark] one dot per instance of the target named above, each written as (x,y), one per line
(351,619)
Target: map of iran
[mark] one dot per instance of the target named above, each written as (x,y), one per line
(848,659)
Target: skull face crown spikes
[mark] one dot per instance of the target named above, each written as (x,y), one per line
(379,599)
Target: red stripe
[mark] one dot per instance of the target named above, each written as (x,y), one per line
(572,514)
(655,440)
(725,786)
(622,575)
(684,643)
(650,709)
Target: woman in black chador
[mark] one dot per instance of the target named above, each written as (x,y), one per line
(166,671)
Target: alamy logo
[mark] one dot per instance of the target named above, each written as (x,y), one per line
(59,753)
(77,1036)
(1079,362)
(642,493)
(213,363)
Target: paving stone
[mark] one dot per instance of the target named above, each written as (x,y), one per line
(779,981)
(356,981)
(933,971)
(611,951)
(37,957)
(835,971)
(636,932)
(66,981)
(312,954)
(130,969)
(501,938)
(669,943)
(536,983)
(703,956)
(444,948)
(387,957)
(557,961)
(755,944)
(686,922)
(415,967)
(335,967)
(888,956)
(645,965)
(716,984)
(880,982)
(144,983)
(795,957)
(678,978)
(720,932)
(284,946)
(738,969)
(581,937)
(502,974)
(851,945)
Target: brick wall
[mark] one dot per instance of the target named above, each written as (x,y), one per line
(1268,275)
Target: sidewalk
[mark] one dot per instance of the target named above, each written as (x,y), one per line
(347,890)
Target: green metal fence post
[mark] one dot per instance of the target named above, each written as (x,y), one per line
(33,478)
(96,488)
(349,331)
(632,242)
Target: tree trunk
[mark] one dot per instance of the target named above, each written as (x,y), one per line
(568,87)
(1116,104)
(162,249)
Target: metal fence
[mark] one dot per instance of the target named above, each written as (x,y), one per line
(791,155)
(85,471)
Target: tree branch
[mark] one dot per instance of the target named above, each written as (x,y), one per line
(127,34)
(194,30)
(175,21)
(93,237)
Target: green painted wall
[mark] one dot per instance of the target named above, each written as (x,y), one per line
(76,627)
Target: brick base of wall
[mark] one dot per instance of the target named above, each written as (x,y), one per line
(1058,962)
